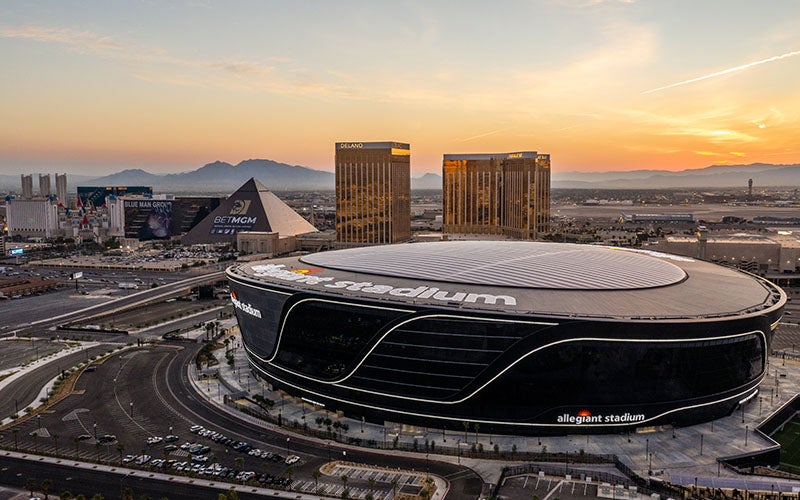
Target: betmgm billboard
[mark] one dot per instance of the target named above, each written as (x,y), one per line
(149,219)
(237,220)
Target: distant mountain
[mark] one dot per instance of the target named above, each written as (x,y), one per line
(427,181)
(221,176)
(715,176)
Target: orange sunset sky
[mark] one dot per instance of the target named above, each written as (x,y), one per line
(96,87)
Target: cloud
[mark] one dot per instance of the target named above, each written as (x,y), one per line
(78,39)
(724,72)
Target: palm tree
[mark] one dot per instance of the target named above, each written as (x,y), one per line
(394,489)
(239,461)
(16,433)
(345,492)
(316,474)
(76,441)
(97,496)
(476,426)
(46,484)
(120,449)
(35,441)
(55,440)
(30,484)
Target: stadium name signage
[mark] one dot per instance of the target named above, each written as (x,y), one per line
(234,219)
(279,271)
(614,418)
(245,308)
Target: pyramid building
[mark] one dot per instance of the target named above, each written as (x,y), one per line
(251,208)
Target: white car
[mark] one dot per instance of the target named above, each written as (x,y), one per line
(292,459)
(142,459)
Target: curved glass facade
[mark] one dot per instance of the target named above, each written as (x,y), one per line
(517,374)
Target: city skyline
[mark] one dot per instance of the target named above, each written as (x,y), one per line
(600,85)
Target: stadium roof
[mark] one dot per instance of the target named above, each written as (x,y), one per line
(525,277)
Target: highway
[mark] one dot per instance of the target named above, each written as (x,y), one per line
(165,291)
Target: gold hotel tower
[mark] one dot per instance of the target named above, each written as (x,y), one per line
(505,194)
(373,193)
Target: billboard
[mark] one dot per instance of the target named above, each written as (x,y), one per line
(148,219)
(236,220)
(96,195)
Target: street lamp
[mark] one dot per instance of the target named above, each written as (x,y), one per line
(95,430)
(131,410)
(458,450)
(329,451)
(287,447)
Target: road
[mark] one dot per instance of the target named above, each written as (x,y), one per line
(20,393)
(35,324)
(144,392)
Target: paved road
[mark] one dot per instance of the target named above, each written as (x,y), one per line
(141,297)
(15,472)
(155,380)
(176,389)
(23,391)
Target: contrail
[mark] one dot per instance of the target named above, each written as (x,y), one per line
(484,134)
(724,71)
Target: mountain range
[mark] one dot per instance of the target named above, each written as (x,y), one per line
(222,177)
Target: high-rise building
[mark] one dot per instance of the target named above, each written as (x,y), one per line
(27,186)
(503,194)
(44,185)
(373,193)
(61,188)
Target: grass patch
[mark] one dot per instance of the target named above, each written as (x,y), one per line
(789,438)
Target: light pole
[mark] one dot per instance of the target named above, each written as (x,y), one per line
(458,450)
(95,430)
(329,451)
(287,447)
(701,444)
(746,430)
(131,410)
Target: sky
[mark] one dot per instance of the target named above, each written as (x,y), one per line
(94,87)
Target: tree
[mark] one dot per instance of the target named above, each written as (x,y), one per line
(30,484)
(466,428)
(120,449)
(55,440)
(476,426)
(76,441)
(394,488)
(316,475)
(46,484)
(232,495)
(239,461)
(16,433)
(97,496)
(289,471)
(65,495)
(127,493)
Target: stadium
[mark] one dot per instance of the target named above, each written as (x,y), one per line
(518,337)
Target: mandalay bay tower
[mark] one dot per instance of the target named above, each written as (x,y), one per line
(503,194)
(373,193)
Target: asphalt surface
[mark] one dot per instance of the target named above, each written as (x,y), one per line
(155,380)
(17,352)
(23,391)
(29,323)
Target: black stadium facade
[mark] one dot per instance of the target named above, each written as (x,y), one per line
(519,337)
